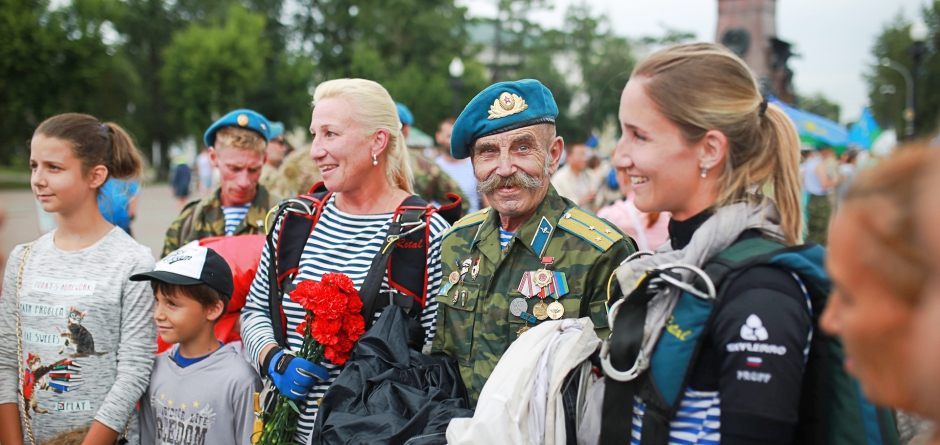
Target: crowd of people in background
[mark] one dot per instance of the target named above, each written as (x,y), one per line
(686,263)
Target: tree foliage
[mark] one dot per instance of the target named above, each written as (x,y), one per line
(895,43)
(54,61)
(165,68)
(209,70)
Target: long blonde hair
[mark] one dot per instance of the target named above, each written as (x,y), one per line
(374,109)
(702,87)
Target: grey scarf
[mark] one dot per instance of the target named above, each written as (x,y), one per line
(713,237)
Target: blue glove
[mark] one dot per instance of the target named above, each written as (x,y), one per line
(294,376)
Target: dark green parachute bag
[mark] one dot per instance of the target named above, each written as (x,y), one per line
(832,409)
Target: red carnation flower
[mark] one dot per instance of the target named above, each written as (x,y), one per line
(353,304)
(301,327)
(305,294)
(341,281)
(354,326)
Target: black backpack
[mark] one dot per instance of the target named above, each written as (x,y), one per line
(832,408)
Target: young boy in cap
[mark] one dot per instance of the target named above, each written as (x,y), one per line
(201,391)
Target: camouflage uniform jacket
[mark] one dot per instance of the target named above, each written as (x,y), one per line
(432,184)
(203,218)
(476,331)
(298,172)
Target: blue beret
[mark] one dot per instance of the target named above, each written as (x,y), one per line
(404,114)
(499,108)
(276,129)
(243,118)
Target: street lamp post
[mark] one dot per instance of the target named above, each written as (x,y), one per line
(886,90)
(456,71)
(918,32)
(909,110)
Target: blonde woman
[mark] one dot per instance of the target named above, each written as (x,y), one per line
(700,142)
(359,148)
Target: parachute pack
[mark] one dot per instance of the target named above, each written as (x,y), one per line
(832,408)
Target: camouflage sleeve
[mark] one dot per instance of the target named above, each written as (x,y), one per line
(446,184)
(595,293)
(173,238)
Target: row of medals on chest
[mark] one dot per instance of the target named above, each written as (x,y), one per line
(542,283)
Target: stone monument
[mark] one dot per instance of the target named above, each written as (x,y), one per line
(749,28)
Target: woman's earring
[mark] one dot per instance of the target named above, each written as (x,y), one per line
(704,171)
(375,161)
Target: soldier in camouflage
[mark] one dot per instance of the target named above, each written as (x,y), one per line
(430,182)
(533,255)
(239,205)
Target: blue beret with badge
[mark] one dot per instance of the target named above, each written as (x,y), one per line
(502,107)
(404,114)
(243,118)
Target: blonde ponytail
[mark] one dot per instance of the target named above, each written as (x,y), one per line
(702,87)
(779,135)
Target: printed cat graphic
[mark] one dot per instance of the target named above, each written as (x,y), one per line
(35,378)
(79,337)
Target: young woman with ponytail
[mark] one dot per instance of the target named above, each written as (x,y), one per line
(701,143)
(360,150)
(77,340)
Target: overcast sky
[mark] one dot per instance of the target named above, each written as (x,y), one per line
(833,37)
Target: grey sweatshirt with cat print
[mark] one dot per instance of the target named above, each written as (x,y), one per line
(88,334)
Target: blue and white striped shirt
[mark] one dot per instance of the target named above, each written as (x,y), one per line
(233,217)
(698,421)
(343,243)
(504,238)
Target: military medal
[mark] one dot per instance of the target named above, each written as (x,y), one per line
(518,306)
(456,296)
(476,269)
(526,287)
(559,284)
(542,278)
(463,298)
(454,277)
(445,288)
(540,310)
(528,317)
(521,331)
(465,267)
(555,310)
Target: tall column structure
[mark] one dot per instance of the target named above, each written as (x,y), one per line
(749,28)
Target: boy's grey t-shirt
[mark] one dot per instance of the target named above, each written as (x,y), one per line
(88,334)
(208,402)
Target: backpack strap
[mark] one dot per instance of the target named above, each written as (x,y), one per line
(409,229)
(298,217)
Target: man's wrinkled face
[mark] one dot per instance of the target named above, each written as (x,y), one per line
(513,168)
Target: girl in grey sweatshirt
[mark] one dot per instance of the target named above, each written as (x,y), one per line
(76,337)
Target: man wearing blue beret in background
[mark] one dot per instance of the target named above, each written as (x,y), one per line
(533,255)
(239,205)
(430,181)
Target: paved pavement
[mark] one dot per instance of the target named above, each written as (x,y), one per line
(155,211)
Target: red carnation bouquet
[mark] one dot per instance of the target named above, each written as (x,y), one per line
(330,328)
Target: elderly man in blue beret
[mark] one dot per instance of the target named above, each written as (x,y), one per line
(237,144)
(534,255)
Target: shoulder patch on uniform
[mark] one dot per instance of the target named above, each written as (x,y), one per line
(589,228)
(473,219)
